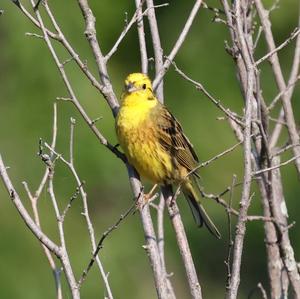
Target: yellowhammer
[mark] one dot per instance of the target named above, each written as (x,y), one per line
(154,143)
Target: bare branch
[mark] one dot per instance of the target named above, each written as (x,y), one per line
(263,291)
(137,14)
(276,166)
(279,211)
(24,214)
(293,35)
(200,87)
(279,95)
(79,189)
(72,198)
(100,243)
(161,70)
(34,204)
(64,253)
(230,239)
(204,164)
(90,33)
(141,34)
(293,77)
(158,51)
(194,285)
(245,200)
(284,149)
(286,97)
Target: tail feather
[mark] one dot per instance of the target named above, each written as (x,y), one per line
(200,215)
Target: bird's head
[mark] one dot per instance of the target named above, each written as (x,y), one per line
(138,83)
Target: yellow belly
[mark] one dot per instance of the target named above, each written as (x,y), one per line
(144,151)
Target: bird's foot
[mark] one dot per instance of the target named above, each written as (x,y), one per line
(145,199)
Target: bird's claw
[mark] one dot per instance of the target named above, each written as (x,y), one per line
(145,199)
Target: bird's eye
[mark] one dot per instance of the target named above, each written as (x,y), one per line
(144,86)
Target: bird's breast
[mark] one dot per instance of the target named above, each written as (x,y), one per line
(138,138)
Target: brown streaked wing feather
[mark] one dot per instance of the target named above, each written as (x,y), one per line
(173,139)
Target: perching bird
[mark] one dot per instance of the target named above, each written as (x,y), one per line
(154,143)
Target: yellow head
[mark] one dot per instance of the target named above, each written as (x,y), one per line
(137,101)
(140,84)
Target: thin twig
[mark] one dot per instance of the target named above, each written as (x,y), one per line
(137,16)
(38,233)
(293,35)
(275,167)
(100,243)
(230,239)
(284,149)
(232,289)
(263,291)
(200,87)
(72,198)
(161,71)
(34,35)
(279,95)
(214,158)
(129,24)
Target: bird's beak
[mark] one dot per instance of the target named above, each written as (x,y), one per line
(130,87)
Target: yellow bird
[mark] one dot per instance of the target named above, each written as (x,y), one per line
(154,143)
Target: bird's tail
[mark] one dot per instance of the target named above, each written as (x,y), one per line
(198,211)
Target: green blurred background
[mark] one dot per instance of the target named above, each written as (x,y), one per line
(29,84)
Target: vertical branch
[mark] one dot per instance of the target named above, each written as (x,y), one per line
(160,210)
(141,34)
(158,51)
(244,205)
(279,201)
(242,52)
(160,230)
(73,122)
(191,274)
(279,211)
(64,253)
(232,290)
(161,242)
(173,210)
(177,224)
(151,246)
(230,241)
(274,262)
(286,101)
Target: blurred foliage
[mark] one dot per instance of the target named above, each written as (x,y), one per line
(29,84)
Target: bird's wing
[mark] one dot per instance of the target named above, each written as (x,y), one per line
(173,140)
